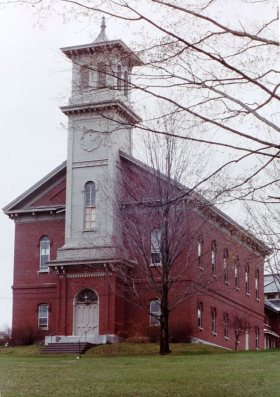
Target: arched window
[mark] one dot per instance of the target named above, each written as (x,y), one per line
(90,193)
(44,253)
(119,78)
(125,83)
(155,247)
(87,296)
(102,74)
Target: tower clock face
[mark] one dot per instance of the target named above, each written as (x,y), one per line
(90,141)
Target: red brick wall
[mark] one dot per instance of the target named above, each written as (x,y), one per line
(125,318)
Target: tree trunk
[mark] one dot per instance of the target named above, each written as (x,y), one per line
(164,332)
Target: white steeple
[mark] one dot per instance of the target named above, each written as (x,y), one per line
(102,35)
(101,119)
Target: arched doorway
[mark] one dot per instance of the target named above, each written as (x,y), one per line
(86,313)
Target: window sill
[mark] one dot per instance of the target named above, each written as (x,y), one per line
(43,271)
(226,337)
(201,329)
(258,300)
(248,294)
(226,282)
(89,230)
(201,268)
(43,329)
(155,264)
(214,333)
(237,288)
(214,275)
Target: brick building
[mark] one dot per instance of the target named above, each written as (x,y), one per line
(73,249)
(272,311)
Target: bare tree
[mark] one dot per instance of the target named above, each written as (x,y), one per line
(161,233)
(216,62)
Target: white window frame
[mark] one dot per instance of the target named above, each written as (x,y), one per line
(214,320)
(200,243)
(45,251)
(247,279)
(155,312)
(214,256)
(236,272)
(43,316)
(90,206)
(200,315)
(257,332)
(226,270)
(257,284)
(226,325)
(156,247)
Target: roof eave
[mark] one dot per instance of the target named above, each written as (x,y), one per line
(9,207)
(72,51)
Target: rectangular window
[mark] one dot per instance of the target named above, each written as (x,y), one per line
(247,279)
(199,314)
(257,338)
(43,316)
(102,74)
(214,320)
(155,312)
(44,253)
(257,282)
(200,252)
(119,78)
(225,325)
(213,256)
(236,272)
(89,218)
(156,247)
(226,265)
(125,83)
(84,77)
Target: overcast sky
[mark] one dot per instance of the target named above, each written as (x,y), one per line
(35,81)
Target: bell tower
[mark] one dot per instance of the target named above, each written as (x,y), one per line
(100,122)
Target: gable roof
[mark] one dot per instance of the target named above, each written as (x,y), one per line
(22,203)
(213,212)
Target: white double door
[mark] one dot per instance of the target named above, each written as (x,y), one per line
(86,319)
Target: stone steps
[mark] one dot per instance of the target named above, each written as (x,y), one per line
(67,348)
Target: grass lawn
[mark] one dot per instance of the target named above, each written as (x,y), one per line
(137,370)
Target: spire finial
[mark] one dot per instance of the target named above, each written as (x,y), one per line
(102,35)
